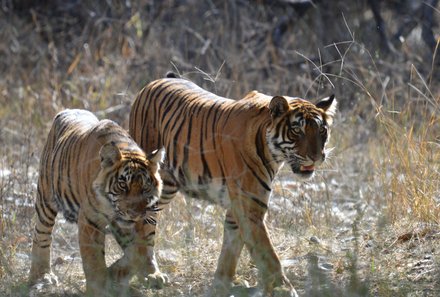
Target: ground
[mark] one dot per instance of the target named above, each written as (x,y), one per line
(367,224)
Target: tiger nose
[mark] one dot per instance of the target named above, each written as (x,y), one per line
(316,157)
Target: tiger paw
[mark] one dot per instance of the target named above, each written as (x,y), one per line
(49,279)
(156,280)
(219,290)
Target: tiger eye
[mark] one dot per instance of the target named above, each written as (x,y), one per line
(122,185)
(296,130)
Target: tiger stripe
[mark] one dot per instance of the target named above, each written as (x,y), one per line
(96,175)
(229,152)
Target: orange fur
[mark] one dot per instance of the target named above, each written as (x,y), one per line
(228,152)
(96,175)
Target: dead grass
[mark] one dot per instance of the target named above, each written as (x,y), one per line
(367,224)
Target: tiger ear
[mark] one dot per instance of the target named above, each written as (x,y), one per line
(278,106)
(157,156)
(329,106)
(110,154)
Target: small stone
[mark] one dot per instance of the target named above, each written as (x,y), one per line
(58,261)
(326,266)
(289,262)
(315,240)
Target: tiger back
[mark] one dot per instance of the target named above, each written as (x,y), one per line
(229,152)
(96,176)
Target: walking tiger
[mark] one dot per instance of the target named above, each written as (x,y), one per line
(229,152)
(97,176)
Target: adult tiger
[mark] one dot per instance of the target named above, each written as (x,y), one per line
(97,176)
(229,152)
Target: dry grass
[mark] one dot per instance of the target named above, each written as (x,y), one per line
(367,224)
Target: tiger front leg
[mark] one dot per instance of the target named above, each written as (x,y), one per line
(144,263)
(146,232)
(139,253)
(92,249)
(144,244)
(120,273)
(230,253)
(250,218)
(139,257)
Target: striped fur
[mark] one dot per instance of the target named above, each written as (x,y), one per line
(228,152)
(96,176)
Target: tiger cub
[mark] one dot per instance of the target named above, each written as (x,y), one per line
(96,175)
(229,152)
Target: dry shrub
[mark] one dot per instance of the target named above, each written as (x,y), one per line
(411,149)
(93,55)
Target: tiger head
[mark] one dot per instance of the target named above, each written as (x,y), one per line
(128,181)
(299,132)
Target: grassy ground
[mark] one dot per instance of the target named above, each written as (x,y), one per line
(366,225)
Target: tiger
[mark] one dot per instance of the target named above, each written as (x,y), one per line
(96,175)
(228,152)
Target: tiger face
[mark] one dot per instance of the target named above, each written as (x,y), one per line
(299,132)
(128,182)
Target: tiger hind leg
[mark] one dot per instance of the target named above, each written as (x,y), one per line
(42,240)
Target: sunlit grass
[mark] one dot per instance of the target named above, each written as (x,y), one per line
(410,167)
